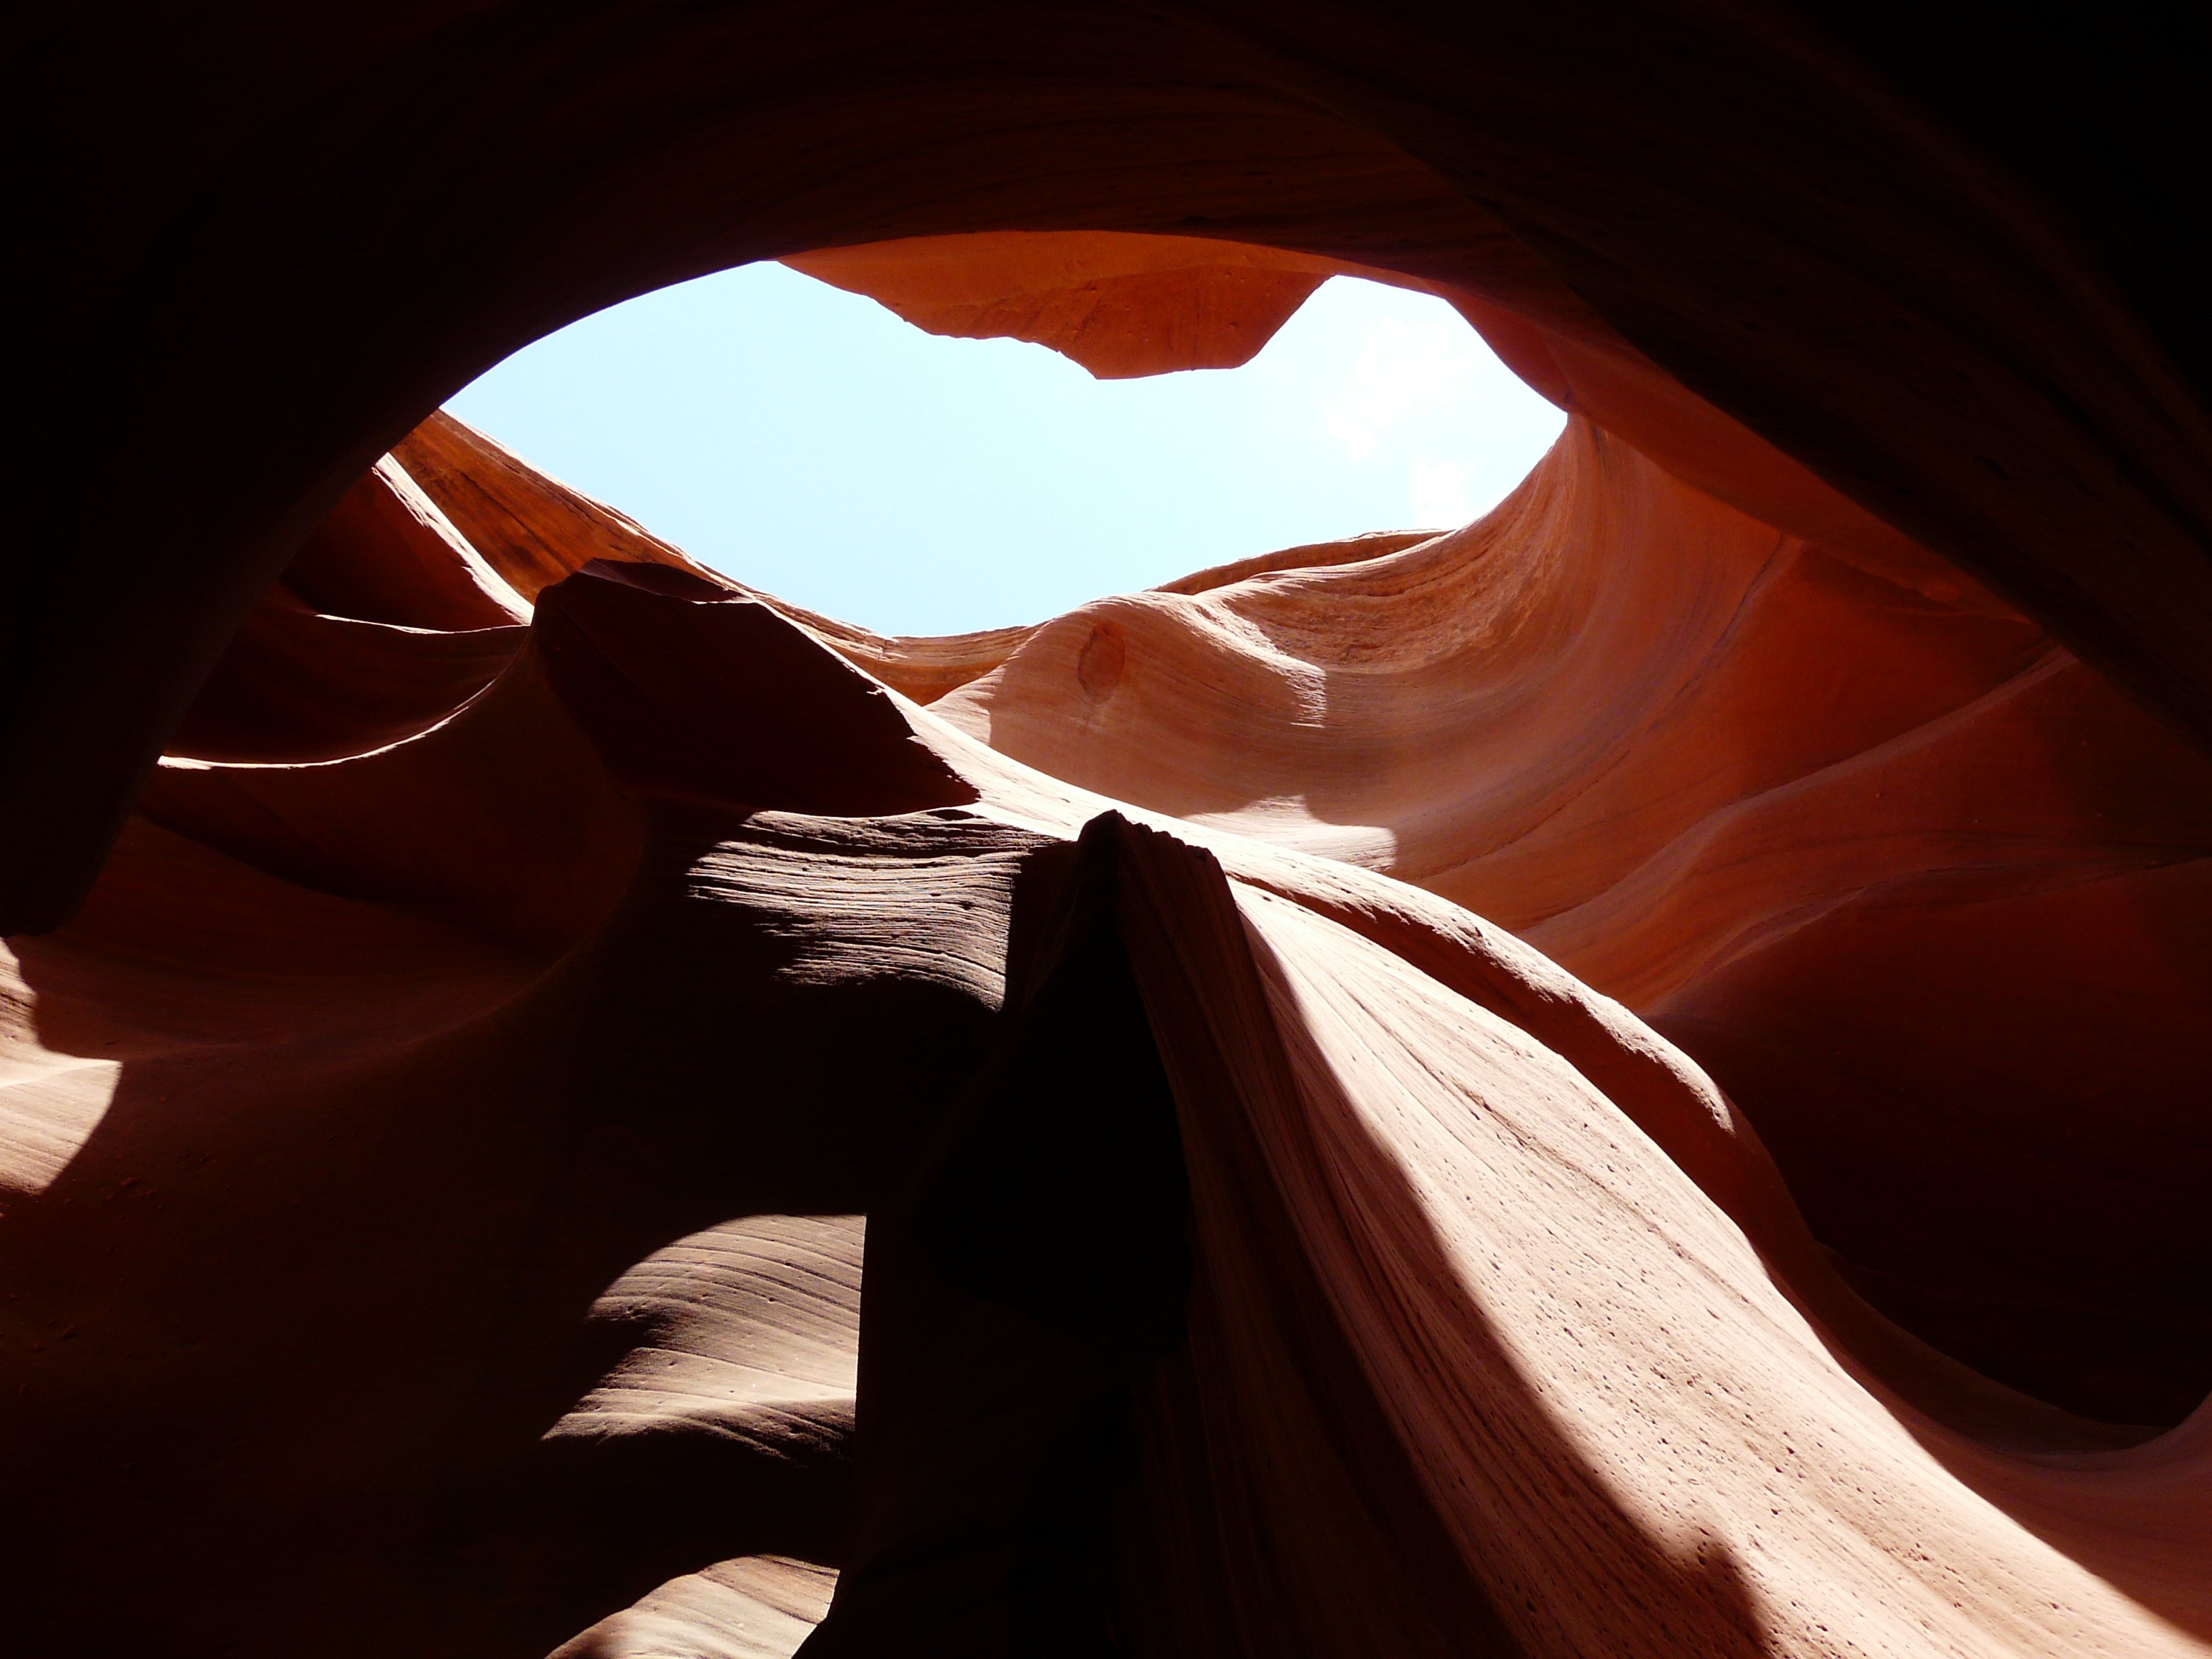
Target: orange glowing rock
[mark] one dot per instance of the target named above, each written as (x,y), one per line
(1619,1079)
(524,1007)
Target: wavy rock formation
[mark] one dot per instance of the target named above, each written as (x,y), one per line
(1937,273)
(1616,1080)
(1625,1079)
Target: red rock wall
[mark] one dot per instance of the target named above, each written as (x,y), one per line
(442,1104)
(285,245)
(1924,894)
(419,1145)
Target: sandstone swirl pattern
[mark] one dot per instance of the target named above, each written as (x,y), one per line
(1622,1080)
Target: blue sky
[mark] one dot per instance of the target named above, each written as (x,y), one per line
(809,442)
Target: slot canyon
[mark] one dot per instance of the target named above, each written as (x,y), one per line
(1628,1078)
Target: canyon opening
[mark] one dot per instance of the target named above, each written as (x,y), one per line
(812,443)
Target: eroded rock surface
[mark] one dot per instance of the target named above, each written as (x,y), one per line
(1622,1080)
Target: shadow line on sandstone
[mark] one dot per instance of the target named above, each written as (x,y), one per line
(1266,1322)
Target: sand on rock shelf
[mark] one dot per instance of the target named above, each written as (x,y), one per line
(1623,1080)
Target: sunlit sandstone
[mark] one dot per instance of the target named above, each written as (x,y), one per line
(1621,1079)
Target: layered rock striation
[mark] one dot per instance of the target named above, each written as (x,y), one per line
(1619,1079)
